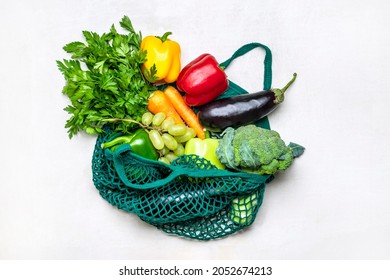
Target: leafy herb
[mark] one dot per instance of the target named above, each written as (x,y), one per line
(104,80)
(150,74)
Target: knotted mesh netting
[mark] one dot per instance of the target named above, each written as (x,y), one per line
(190,197)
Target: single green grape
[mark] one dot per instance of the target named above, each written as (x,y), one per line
(169,141)
(177,130)
(179,150)
(187,136)
(164,160)
(164,150)
(158,119)
(170,156)
(147,118)
(156,139)
(167,123)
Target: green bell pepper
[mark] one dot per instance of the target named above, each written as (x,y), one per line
(139,142)
(205,149)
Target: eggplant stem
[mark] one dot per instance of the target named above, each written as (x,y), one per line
(289,83)
(279,93)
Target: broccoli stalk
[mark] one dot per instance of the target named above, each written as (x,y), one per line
(256,150)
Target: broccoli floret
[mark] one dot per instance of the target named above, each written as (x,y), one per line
(256,150)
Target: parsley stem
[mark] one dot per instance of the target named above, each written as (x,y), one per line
(123,120)
(114,120)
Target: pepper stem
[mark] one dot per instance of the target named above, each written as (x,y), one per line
(279,93)
(164,37)
(117,141)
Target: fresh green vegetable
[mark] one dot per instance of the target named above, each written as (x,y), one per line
(256,150)
(205,149)
(243,208)
(139,142)
(104,80)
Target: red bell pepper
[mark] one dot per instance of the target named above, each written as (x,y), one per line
(202,80)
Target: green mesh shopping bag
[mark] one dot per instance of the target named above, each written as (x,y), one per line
(190,197)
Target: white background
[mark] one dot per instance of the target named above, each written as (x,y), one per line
(333,203)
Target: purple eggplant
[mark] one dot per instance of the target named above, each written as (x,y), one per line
(241,109)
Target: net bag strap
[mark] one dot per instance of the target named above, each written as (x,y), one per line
(267,81)
(173,171)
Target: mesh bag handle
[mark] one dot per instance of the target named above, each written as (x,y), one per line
(267,81)
(165,173)
(178,168)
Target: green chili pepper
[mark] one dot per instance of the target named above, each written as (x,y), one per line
(139,142)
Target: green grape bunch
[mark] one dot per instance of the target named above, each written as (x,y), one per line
(167,137)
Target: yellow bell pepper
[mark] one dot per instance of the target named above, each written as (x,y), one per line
(162,59)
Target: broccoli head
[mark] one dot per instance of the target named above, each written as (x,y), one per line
(256,150)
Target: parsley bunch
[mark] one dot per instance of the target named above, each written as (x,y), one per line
(104,80)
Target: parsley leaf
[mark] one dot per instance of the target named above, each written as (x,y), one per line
(151,74)
(104,80)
